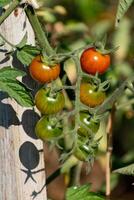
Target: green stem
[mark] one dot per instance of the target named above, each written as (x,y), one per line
(68,103)
(76,174)
(40,34)
(68,164)
(77,91)
(107,104)
(43,42)
(10,44)
(11,8)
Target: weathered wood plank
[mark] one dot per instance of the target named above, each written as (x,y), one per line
(18,146)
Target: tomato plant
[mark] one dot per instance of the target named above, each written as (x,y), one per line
(90,95)
(48,129)
(78,121)
(42,72)
(48,103)
(93,62)
(88,121)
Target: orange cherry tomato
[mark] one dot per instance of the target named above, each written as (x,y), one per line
(93,61)
(43,73)
(90,96)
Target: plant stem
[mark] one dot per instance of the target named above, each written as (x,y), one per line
(68,103)
(77,173)
(43,42)
(77,91)
(107,104)
(68,164)
(40,34)
(13,5)
(10,44)
(109,150)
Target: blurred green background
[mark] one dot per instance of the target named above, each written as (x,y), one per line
(72,24)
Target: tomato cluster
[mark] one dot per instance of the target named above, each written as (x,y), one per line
(50,101)
(47,101)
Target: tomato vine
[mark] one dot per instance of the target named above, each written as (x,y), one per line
(81,144)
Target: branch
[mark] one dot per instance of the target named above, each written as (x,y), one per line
(108,103)
(109,150)
(11,8)
(40,34)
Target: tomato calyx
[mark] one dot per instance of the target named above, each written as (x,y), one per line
(98,46)
(98,86)
(54,122)
(51,62)
(51,94)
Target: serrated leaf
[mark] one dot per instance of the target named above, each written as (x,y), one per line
(27,53)
(10,73)
(128,170)
(13,87)
(123,6)
(4,2)
(122,39)
(82,193)
(23,41)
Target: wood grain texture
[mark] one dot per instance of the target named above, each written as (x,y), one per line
(18,147)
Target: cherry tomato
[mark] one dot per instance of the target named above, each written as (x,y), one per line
(89,96)
(82,151)
(93,61)
(43,73)
(47,129)
(47,103)
(89,122)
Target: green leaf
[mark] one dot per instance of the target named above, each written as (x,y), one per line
(128,170)
(27,53)
(10,73)
(82,193)
(4,2)
(122,39)
(123,6)
(13,87)
(23,41)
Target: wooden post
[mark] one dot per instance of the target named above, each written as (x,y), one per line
(20,150)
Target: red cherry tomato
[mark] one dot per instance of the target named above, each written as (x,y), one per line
(93,61)
(42,72)
(89,96)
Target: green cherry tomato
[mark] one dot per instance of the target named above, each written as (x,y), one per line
(48,129)
(47,103)
(89,122)
(82,151)
(90,96)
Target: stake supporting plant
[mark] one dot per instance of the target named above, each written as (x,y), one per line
(11,8)
(109,150)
